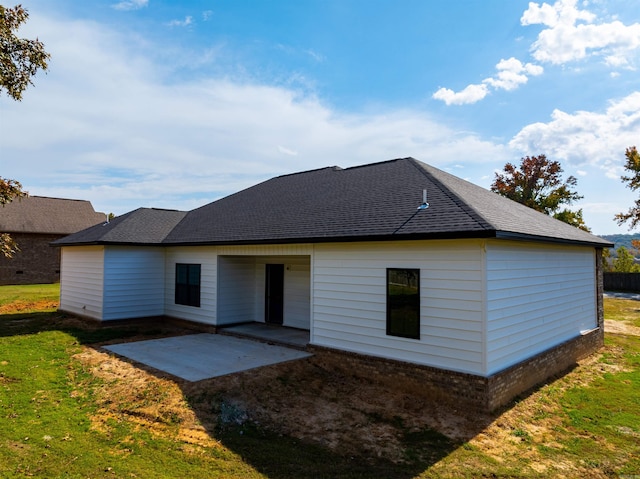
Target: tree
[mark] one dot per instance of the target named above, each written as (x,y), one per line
(537,183)
(606,260)
(20,59)
(9,190)
(632,165)
(625,262)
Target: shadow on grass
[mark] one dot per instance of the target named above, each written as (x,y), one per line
(259,440)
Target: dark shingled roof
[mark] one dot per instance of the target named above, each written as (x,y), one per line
(39,214)
(144,226)
(378,201)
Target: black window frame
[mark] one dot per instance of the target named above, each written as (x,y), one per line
(187,284)
(403,310)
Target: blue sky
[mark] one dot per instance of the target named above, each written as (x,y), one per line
(169,104)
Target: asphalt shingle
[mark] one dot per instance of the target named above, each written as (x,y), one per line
(43,215)
(378,201)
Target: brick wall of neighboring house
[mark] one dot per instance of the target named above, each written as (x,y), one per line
(35,263)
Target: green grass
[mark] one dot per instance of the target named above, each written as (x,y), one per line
(608,409)
(50,402)
(619,309)
(45,424)
(29,293)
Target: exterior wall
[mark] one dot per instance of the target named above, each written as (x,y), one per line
(207,256)
(232,283)
(538,296)
(236,289)
(349,301)
(35,263)
(82,281)
(297,289)
(133,282)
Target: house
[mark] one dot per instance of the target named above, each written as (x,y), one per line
(396,266)
(33,223)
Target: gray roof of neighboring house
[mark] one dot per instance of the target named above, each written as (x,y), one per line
(378,201)
(42,215)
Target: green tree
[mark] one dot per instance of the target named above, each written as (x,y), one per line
(606,260)
(537,183)
(20,59)
(9,190)
(632,165)
(625,262)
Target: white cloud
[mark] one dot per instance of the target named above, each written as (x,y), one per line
(570,34)
(207,14)
(287,151)
(130,4)
(511,74)
(563,12)
(595,138)
(111,130)
(566,40)
(471,94)
(188,20)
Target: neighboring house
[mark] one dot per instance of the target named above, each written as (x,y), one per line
(34,222)
(475,294)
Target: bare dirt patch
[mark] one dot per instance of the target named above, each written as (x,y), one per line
(621,327)
(347,414)
(17,307)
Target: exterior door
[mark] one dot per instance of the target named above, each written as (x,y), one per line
(274,294)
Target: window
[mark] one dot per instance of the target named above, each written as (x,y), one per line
(188,284)
(403,303)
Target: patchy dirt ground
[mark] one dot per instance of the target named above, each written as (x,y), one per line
(347,414)
(621,327)
(344,413)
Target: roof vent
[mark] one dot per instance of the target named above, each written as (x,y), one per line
(424,204)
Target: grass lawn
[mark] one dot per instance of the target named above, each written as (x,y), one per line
(69,410)
(29,298)
(625,310)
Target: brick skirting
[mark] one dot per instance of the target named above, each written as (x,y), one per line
(463,390)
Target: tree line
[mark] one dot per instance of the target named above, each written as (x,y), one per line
(537,182)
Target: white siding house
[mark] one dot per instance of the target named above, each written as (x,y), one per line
(350,301)
(133,284)
(489,284)
(82,281)
(537,297)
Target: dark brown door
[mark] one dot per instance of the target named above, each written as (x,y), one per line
(274,294)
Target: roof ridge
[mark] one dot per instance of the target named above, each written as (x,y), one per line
(54,198)
(376,163)
(334,168)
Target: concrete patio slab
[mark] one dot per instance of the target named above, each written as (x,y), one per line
(202,356)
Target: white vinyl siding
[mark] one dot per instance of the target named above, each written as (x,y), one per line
(538,296)
(349,301)
(81,280)
(297,289)
(236,289)
(232,283)
(206,256)
(133,282)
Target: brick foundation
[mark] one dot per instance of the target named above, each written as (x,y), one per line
(463,390)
